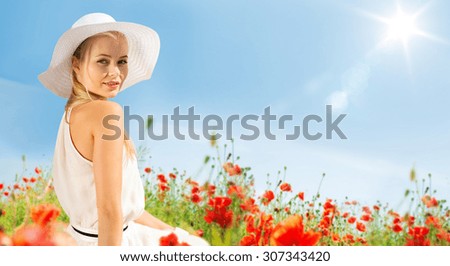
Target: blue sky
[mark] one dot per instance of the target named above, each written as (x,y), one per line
(238,57)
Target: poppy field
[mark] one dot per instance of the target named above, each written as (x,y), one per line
(225,209)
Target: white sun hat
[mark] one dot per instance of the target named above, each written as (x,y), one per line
(143,51)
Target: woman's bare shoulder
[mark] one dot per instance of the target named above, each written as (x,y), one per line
(99,108)
(95,113)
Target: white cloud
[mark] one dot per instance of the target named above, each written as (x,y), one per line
(338,99)
(354,81)
(6,84)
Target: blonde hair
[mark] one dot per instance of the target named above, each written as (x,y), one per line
(80,95)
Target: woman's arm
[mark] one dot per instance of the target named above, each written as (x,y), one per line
(151,221)
(107,164)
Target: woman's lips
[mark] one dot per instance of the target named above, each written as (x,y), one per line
(112,84)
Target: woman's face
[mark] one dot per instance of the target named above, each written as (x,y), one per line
(104,66)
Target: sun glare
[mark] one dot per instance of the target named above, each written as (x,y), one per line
(401,27)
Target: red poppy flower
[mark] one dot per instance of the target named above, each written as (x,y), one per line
(226,166)
(367,210)
(443,235)
(211,190)
(232,169)
(345,215)
(397,228)
(418,236)
(329,205)
(430,202)
(220,202)
(301,195)
(6,193)
(222,217)
(360,227)
(267,197)
(286,187)
(163,187)
(195,198)
(1,186)
(249,205)
(290,232)
(37,170)
(366,218)
(219,212)
(397,220)
(348,238)
(33,179)
(361,240)
(376,207)
(335,238)
(260,227)
(328,212)
(234,189)
(199,232)
(25,180)
(410,219)
(237,169)
(325,222)
(325,232)
(195,189)
(148,170)
(16,186)
(171,240)
(44,214)
(433,221)
(248,240)
(162,178)
(172,175)
(32,235)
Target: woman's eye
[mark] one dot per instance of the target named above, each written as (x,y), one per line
(123,62)
(103,61)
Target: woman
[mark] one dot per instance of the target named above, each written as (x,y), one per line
(95,170)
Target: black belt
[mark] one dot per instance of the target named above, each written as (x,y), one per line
(91,235)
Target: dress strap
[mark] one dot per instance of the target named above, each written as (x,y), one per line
(69,111)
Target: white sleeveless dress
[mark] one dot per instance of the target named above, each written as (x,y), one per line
(74,185)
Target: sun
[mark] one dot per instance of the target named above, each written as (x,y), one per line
(401,27)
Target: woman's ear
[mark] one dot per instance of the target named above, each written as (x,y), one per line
(75,65)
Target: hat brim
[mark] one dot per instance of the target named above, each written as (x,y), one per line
(143,51)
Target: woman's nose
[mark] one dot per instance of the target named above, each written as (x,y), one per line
(113,70)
